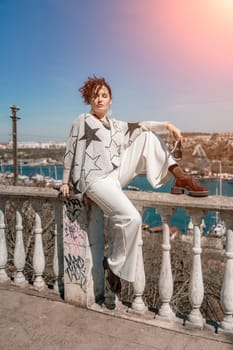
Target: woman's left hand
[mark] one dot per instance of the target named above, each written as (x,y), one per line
(175,132)
(65,190)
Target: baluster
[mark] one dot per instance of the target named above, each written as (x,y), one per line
(139,283)
(38,256)
(57,262)
(165,278)
(226,295)
(3,250)
(19,253)
(58,253)
(190,227)
(196,287)
(138,304)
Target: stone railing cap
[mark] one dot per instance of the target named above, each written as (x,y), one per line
(167,200)
(140,198)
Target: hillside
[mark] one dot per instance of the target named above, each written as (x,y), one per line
(217,147)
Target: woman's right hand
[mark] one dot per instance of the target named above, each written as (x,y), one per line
(65,190)
(175,132)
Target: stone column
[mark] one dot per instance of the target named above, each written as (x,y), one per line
(226,296)
(165,278)
(3,250)
(38,256)
(19,253)
(58,258)
(196,287)
(138,304)
(83,252)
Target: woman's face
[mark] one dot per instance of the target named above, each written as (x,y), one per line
(101,101)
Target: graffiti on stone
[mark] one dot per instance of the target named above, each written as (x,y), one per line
(73,208)
(74,237)
(76,269)
(74,240)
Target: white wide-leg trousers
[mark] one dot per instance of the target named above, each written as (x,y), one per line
(146,155)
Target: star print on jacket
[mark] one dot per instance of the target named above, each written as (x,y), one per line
(89,135)
(114,148)
(73,143)
(90,164)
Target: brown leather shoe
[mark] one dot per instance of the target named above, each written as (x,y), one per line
(114,281)
(189,184)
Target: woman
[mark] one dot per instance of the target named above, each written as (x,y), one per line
(103,155)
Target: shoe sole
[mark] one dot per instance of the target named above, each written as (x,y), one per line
(181,190)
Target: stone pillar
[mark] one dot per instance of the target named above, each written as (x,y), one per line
(38,256)
(165,278)
(138,304)
(190,227)
(58,258)
(226,296)
(83,240)
(19,253)
(3,250)
(196,287)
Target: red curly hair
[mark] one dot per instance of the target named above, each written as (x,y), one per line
(91,88)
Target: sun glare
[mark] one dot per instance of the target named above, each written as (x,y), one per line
(228,4)
(224,7)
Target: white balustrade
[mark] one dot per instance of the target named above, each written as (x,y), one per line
(83,251)
(3,250)
(38,256)
(19,253)
(196,287)
(227,285)
(165,278)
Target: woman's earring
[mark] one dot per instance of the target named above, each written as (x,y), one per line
(109,112)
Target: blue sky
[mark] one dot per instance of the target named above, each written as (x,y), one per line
(164,59)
